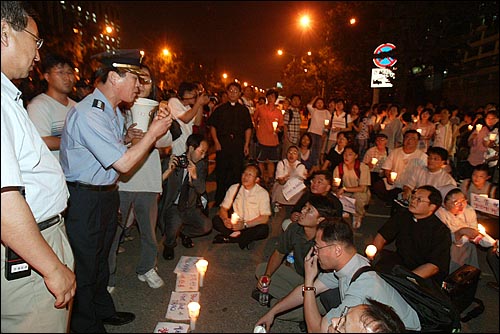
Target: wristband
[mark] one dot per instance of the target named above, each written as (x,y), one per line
(308,288)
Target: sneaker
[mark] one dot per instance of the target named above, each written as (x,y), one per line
(111,289)
(152,278)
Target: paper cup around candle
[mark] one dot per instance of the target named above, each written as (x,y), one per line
(336,181)
(275,125)
(419,131)
(382,126)
(234,218)
(470,127)
(142,110)
(374,161)
(479,127)
(327,121)
(394,175)
(492,136)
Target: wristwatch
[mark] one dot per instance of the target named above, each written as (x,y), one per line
(245,225)
(308,288)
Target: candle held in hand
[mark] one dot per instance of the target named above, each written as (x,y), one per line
(234,218)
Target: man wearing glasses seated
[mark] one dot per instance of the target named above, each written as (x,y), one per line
(422,241)
(336,253)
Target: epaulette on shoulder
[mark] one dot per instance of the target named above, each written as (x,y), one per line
(98,104)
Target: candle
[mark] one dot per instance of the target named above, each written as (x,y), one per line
(194,312)
(483,195)
(336,181)
(382,126)
(470,127)
(234,218)
(275,125)
(479,127)
(415,119)
(370,251)
(201,266)
(484,239)
(327,121)
(374,161)
(394,175)
(493,136)
(419,131)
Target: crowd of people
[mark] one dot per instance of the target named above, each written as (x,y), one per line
(77,173)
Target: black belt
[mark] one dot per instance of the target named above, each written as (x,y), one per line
(76,184)
(49,222)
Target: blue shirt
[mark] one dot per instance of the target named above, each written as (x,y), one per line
(92,141)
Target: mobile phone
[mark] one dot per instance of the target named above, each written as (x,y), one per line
(15,266)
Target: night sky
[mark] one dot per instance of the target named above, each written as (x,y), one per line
(240,36)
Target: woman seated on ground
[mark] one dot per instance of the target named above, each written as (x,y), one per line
(355,182)
(334,156)
(305,144)
(462,221)
(479,183)
(289,171)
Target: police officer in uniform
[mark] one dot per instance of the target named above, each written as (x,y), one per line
(93,155)
(37,284)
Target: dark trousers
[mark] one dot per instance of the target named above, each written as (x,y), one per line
(228,169)
(385,195)
(248,235)
(91,225)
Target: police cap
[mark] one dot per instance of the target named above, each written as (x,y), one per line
(128,60)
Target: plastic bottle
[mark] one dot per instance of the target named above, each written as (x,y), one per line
(290,260)
(264,292)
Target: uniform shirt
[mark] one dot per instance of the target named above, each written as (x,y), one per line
(419,241)
(294,239)
(248,204)
(26,160)
(48,116)
(178,109)
(92,141)
(404,164)
(367,285)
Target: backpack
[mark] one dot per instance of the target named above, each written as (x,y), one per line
(434,308)
(357,169)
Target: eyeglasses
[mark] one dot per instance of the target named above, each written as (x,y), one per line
(341,322)
(316,248)
(39,41)
(462,202)
(145,81)
(418,199)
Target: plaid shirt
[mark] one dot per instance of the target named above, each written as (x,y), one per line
(293,125)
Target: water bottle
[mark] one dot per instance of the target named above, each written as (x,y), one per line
(264,292)
(290,260)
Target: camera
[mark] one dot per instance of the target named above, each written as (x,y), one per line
(183,160)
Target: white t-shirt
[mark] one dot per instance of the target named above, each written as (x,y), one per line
(178,109)
(318,118)
(48,115)
(26,160)
(248,204)
(404,164)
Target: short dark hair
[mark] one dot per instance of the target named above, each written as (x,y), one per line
(16,13)
(306,134)
(253,165)
(233,84)
(451,193)
(410,132)
(381,318)
(337,229)
(482,167)
(186,87)
(52,60)
(326,173)
(272,92)
(434,196)
(443,153)
(194,140)
(324,205)
(295,95)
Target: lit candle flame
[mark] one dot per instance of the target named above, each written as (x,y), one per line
(370,251)
(275,125)
(493,136)
(194,312)
(201,266)
(234,218)
(327,121)
(394,175)
(470,127)
(374,161)
(481,229)
(419,131)
(479,127)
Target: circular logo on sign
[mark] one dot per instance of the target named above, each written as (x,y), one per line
(386,61)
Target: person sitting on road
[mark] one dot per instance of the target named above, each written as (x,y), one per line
(479,183)
(335,252)
(372,317)
(422,241)
(288,170)
(461,219)
(251,209)
(298,238)
(355,182)
(320,184)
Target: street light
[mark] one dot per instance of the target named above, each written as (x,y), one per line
(305,21)
(165,52)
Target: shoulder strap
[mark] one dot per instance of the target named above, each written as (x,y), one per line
(341,169)
(235,194)
(345,119)
(357,168)
(387,151)
(360,271)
